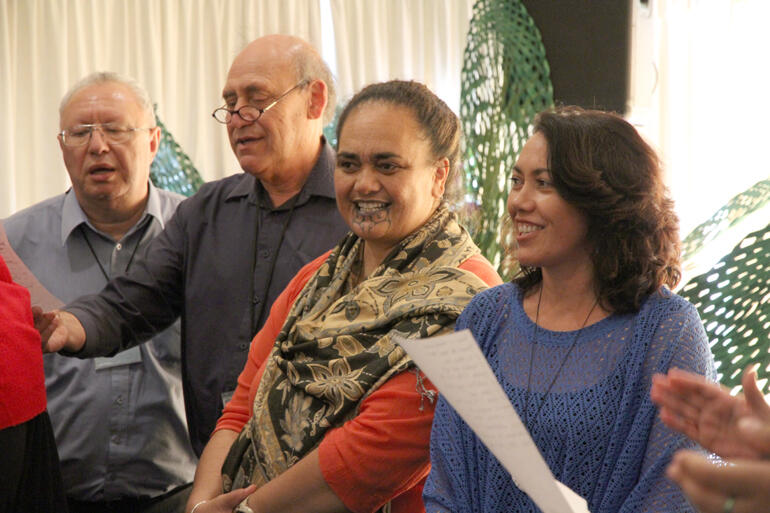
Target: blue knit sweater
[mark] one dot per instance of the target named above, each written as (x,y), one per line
(597,428)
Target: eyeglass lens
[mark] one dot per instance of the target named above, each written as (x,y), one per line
(250,113)
(80,135)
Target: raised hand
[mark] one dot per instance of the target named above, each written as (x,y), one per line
(733,427)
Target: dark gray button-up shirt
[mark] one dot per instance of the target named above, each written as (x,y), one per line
(200,267)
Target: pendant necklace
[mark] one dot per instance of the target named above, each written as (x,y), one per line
(561,365)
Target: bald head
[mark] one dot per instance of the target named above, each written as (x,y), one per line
(284,78)
(293,56)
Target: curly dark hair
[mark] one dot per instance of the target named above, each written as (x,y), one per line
(439,124)
(601,165)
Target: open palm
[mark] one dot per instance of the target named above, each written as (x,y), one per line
(707,413)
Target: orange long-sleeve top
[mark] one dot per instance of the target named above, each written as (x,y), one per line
(383,453)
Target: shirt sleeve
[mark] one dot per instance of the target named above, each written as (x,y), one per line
(450,479)
(688,349)
(480,266)
(383,451)
(453,460)
(133,307)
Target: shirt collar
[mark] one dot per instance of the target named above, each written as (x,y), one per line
(73,215)
(320,181)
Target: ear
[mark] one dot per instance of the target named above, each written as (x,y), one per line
(440,175)
(318,99)
(61,143)
(154,140)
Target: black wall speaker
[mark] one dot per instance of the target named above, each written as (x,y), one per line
(587,44)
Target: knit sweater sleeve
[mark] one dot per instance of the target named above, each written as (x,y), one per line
(452,482)
(679,341)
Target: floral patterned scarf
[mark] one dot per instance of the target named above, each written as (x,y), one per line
(335,347)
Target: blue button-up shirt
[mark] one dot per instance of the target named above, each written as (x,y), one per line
(119,423)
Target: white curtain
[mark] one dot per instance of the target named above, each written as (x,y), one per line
(421,40)
(711,100)
(706,113)
(180,50)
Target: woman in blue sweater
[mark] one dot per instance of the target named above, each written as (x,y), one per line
(576,337)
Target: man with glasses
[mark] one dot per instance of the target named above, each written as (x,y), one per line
(119,422)
(232,247)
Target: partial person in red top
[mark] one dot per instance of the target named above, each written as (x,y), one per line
(330,415)
(29,464)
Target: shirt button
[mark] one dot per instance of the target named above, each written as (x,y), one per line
(265,253)
(119,399)
(255,300)
(115,439)
(242,345)
(118,246)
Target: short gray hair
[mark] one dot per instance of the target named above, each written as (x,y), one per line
(309,66)
(103,77)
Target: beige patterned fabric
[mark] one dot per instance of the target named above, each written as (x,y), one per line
(335,347)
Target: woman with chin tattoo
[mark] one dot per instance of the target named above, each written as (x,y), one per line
(330,415)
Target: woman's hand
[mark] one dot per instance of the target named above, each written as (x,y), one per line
(226,502)
(733,427)
(741,486)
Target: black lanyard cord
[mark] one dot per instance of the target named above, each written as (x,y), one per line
(99,263)
(254,315)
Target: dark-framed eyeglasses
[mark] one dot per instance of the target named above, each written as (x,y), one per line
(79,135)
(250,113)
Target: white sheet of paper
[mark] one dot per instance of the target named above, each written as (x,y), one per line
(455,364)
(23,276)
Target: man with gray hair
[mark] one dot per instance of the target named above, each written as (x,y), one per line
(119,422)
(233,247)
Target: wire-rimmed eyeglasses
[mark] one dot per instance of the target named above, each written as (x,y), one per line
(79,135)
(250,113)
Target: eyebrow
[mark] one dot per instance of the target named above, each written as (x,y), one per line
(385,155)
(376,156)
(537,172)
(250,90)
(346,155)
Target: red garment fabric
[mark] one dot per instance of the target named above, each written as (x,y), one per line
(382,453)
(22,383)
